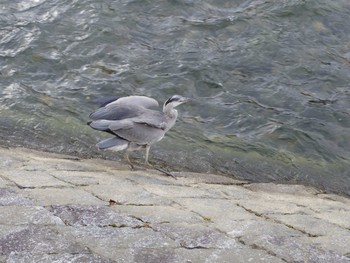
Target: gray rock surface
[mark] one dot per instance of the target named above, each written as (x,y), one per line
(57,208)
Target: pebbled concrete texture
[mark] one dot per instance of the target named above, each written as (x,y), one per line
(57,208)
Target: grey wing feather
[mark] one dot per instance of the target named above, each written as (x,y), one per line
(115,112)
(113,142)
(141,134)
(153,119)
(125,107)
(105,100)
(107,125)
(141,101)
(144,129)
(120,125)
(101,125)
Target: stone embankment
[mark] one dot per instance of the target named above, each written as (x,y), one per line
(56,208)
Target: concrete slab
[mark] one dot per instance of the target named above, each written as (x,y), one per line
(56,208)
(61,196)
(27,215)
(32,179)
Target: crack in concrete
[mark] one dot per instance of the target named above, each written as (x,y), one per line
(194,247)
(6,179)
(261,215)
(61,180)
(13,182)
(96,196)
(254,246)
(294,228)
(149,225)
(65,222)
(205,218)
(134,204)
(251,211)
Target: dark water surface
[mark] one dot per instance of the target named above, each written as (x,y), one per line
(270,80)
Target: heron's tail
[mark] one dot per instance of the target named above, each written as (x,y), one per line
(101,125)
(118,144)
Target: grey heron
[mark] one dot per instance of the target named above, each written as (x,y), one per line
(133,123)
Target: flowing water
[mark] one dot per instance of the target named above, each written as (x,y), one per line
(269,78)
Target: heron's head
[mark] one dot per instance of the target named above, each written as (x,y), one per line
(175,101)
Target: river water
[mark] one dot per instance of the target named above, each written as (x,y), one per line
(269,78)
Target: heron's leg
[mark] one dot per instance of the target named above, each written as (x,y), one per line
(147,153)
(126,156)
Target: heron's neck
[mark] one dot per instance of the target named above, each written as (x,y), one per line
(170,114)
(169,111)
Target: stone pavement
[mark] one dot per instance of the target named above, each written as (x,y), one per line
(56,208)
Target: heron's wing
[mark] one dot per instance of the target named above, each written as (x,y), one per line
(141,101)
(116,112)
(153,119)
(144,129)
(131,119)
(111,126)
(139,133)
(105,100)
(116,142)
(125,107)
(120,125)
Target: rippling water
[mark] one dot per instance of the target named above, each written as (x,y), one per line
(270,80)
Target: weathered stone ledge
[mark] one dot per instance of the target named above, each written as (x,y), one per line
(60,208)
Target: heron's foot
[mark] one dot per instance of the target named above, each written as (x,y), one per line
(132,167)
(138,168)
(126,157)
(147,164)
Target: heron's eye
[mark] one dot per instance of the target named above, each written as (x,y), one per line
(171,100)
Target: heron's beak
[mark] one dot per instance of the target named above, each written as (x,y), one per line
(184,99)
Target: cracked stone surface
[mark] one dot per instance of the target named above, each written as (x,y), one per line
(37,240)
(75,215)
(58,208)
